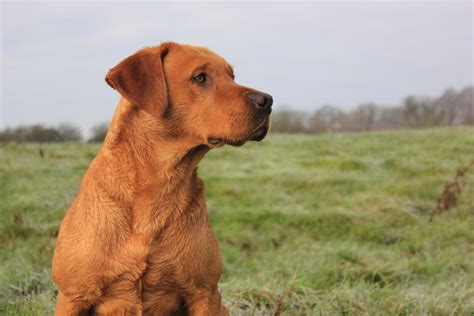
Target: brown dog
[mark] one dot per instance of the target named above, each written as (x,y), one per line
(137,238)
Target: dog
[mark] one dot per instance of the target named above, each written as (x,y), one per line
(137,238)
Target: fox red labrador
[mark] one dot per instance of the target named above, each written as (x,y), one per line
(137,238)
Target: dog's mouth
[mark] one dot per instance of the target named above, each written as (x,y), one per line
(257,134)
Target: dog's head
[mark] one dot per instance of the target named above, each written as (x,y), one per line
(193,89)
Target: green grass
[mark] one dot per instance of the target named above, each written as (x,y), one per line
(334,224)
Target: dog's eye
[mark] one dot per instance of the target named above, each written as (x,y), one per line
(200,78)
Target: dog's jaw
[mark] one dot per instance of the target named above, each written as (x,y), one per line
(257,134)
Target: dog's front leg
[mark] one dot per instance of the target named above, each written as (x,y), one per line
(68,307)
(206,303)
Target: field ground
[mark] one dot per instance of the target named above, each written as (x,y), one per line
(332,224)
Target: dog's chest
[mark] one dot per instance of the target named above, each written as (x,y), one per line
(179,259)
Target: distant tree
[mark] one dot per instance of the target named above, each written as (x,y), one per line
(317,124)
(288,121)
(70,133)
(467,98)
(98,133)
(6,135)
(362,118)
(454,108)
(40,133)
(445,107)
(368,113)
(327,118)
(418,112)
(389,118)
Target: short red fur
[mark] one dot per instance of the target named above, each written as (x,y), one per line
(137,238)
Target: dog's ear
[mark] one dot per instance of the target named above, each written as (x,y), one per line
(140,79)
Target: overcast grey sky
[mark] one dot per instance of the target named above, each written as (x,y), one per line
(55,55)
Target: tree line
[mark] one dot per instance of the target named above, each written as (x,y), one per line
(451,108)
(49,134)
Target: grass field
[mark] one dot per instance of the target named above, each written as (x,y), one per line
(309,225)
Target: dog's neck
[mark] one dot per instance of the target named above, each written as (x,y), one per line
(160,158)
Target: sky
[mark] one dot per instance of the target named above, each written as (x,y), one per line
(54,55)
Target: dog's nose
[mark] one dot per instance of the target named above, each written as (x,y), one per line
(261,101)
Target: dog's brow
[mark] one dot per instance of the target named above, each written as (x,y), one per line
(201,67)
